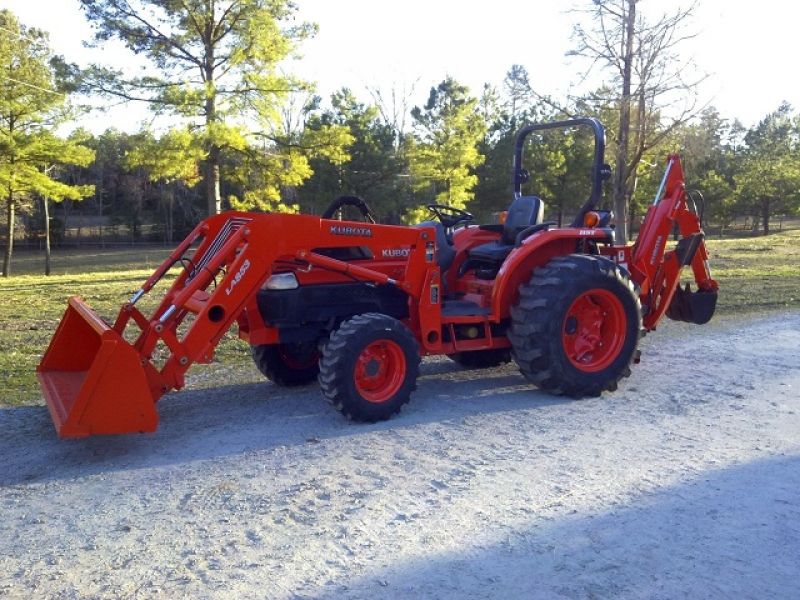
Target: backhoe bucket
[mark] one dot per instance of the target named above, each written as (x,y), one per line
(94,381)
(692,307)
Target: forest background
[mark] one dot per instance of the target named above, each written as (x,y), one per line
(233,128)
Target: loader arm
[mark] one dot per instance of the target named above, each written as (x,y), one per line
(657,271)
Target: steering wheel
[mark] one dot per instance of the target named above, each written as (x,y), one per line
(449,216)
(356,201)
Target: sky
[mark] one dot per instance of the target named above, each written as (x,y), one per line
(747,48)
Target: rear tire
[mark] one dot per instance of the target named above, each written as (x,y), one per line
(369,367)
(482,359)
(287,365)
(576,327)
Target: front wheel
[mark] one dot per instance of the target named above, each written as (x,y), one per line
(369,367)
(576,327)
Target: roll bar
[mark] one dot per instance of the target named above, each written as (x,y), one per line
(600,170)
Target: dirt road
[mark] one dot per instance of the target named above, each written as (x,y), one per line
(683,483)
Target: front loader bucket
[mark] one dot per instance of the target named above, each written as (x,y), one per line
(94,382)
(692,307)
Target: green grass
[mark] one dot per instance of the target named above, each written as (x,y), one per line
(755,273)
(31,306)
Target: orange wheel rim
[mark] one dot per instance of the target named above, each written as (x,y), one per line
(380,371)
(594,328)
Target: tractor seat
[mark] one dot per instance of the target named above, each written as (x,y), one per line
(445,253)
(523,212)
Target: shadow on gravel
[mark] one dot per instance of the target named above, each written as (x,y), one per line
(232,420)
(731,533)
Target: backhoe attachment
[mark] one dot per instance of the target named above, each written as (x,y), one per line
(692,307)
(657,271)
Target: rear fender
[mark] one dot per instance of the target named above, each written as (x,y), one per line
(534,252)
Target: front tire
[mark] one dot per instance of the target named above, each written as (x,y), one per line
(369,367)
(576,327)
(287,365)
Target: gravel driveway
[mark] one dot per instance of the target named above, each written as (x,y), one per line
(685,483)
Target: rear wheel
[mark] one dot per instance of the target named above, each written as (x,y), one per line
(287,364)
(576,327)
(481,359)
(369,367)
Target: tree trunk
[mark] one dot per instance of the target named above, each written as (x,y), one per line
(631,221)
(9,234)
(630,189)
(633,167)
(621,169)
(46,235)
(765,215)
(212,181)
(214,151)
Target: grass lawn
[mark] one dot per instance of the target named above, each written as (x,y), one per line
(755,273)
(31,306)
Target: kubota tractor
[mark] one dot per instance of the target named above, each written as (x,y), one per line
(355,304)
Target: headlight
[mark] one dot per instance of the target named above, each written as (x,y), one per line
(281,281)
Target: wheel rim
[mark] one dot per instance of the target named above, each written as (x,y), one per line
(594,330)
(380,371)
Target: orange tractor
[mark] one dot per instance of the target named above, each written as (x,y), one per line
(355,304)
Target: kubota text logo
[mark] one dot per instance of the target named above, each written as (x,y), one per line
(238,277)
(395,252)
(343,230)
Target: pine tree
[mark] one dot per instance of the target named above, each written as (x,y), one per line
(31,106)
(215,68)
(443,153)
